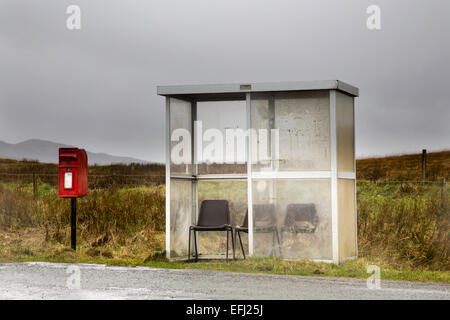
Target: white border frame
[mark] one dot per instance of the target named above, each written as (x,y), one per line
(292,175)
(218,177)
(346,175)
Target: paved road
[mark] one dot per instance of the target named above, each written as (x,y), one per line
(49,281)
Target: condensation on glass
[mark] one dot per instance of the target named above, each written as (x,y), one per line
(292,218)
(181,216)
(347,218)
(345,132)
(303,123)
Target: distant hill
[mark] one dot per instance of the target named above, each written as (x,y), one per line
(47,151)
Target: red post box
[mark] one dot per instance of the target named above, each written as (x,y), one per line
(72,173)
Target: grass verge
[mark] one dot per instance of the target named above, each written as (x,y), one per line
(28,246)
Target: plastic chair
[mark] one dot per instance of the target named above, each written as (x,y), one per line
(214,216)
(300,218)
(264,222)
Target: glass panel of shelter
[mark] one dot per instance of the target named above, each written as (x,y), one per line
(213,243)
(181,183)
(345,132)
(302,120)
(303,123)
(180,129)
(181,216)
(221,173)
(219,127)
(291,217)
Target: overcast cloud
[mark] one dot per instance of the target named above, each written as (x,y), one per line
(96,87)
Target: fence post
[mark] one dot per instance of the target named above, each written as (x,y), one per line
(34,186)
(443,192)
(424,164)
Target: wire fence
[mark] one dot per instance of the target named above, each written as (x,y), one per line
(106,181)
(425,182)
(95,181)
(132,180)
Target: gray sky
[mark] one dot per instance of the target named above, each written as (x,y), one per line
(96,87)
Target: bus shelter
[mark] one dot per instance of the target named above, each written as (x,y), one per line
(281,154)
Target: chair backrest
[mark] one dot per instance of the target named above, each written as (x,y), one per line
(263,213)
(296,212)
(213,213)
(244,223)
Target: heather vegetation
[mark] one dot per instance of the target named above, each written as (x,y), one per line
(405,167)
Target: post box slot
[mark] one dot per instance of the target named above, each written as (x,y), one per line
(68,157)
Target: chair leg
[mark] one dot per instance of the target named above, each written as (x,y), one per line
(227,246)
(189,246)
(240,241)
(235,237)
(233,244)
(195,245)
(273,243)
(279,243)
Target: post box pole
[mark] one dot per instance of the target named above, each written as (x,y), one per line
(73,222)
